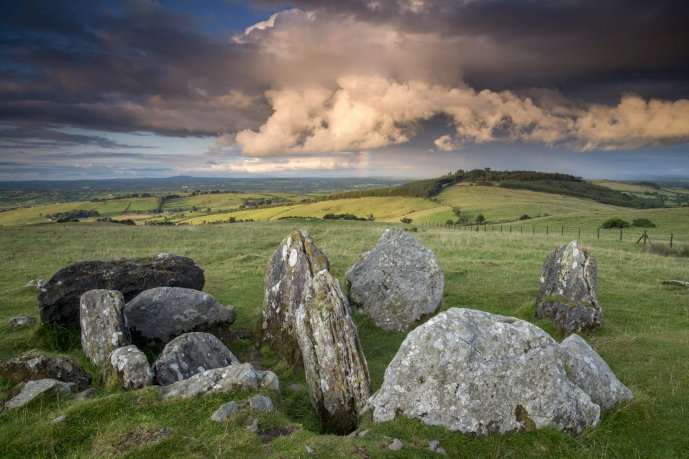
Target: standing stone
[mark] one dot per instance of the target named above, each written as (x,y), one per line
(160,314)
(31,390)
(336,369)
(567,296)
(129,367)
(480,373)
(397,283)
(290,270)
(59,298)
(39,366)
(590,372)
(103,325)
(190,354)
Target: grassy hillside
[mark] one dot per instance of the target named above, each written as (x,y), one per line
(645,340)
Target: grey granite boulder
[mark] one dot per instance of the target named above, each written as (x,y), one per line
(103,324)
(59,298)
(39,366)
(226,410)
(33,389)
(567,296)
(128,367)
(480,373)
(291,268)
(160,314)
(590,372)
(190,354)
(397,283)
(233,378)
(334,363)
(21,321)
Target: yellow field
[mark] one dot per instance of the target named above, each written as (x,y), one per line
(225,201)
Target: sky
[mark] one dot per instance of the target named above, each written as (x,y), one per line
(400,88)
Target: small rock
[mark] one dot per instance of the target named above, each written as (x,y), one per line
(262,404)
(129,366)
(309,450)
(228,409)
(397,283)
(253,427)
(38,284)
(39,366)
(59,419)
(21,321)
(84,394)
(157,315)
(31,390)
(363,433)
(434,445)
(189,354)
(103,325)
(396,444)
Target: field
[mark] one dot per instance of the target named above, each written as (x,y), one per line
(645,336)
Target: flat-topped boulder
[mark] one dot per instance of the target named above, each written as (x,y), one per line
(59,297)
(157,315)
(567,295)
(103,324)
(290,270)
(481,373)
(189,354)
(31,390)
(39,366)
(336,370)
(397,283)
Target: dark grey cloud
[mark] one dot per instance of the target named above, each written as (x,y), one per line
(13,136)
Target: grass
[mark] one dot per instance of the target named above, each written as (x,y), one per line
(644,338)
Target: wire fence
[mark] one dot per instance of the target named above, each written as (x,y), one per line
(636,235)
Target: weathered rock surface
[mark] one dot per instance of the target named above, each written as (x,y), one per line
(334,363)
(225,410)
(21,321)
(38,284)
(129,367)
(160,314)
(190,354)
(397,283)
(31,390)
(103,324)
(480,373)
(59,298)
(38,366)
(290,270)
(590,372)
(567,296)
(233,378)
(261,403)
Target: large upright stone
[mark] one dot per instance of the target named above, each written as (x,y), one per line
(336,370)
(480,373)
(189,354)
(397,283)
(589,371)
(59,298)
(160,314)
(290,270)
(128,367)
(103,325)
(567,296)
(39,366)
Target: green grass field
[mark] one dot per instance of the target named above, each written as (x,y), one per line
(645,339)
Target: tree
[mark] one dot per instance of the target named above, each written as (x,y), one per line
(480,219)
(406,220)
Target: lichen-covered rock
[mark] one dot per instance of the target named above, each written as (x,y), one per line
(590,372)
(336,369)
(33,389)
(567,296)
(160,314)
(21,321)
(59,297)
(190,354)
(38,284)
(234,378)
(480,373)
(128,366)
(103,325)
(290,270)
(39,366)
(397,283)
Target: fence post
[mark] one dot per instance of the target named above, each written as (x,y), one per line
(533,229)
(501,228)
(485,228)
(562,232)
(670,240)
(620,234)
(521,230)
(510,229)
(598,236)
(579,235)
(546,230)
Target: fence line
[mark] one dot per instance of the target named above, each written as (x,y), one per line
(633,234)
